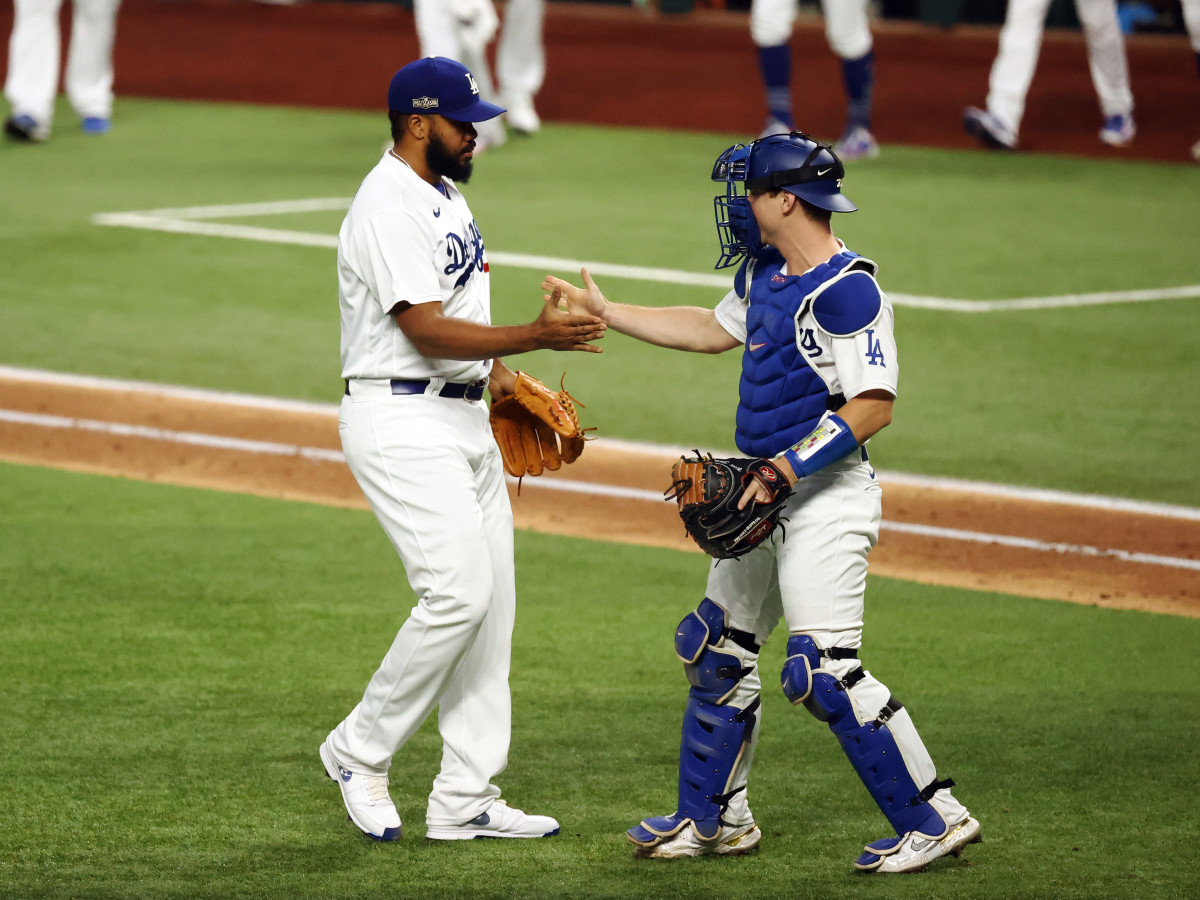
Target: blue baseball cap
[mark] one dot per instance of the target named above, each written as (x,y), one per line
(439,85)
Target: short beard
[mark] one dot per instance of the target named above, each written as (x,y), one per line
(444,163)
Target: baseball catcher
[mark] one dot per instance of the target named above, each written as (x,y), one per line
(819,378)
(710,496)
(536,428)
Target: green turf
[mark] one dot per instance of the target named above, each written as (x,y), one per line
(1088,399)
(170,659)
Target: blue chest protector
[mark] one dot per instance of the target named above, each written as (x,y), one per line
(781,398)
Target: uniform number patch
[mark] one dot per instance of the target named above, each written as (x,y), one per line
(808,343)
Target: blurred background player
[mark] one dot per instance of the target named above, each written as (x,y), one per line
(1020,42)
(462,30)
(33,66)
(847,28)
(1191,19)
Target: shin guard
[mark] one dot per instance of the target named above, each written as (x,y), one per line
(871,746)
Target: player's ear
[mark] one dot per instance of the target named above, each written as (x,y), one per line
(419,126)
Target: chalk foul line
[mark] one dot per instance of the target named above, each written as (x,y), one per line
(195,220)
(320,454)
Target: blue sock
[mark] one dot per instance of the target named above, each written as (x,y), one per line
(776,65)
(858,76)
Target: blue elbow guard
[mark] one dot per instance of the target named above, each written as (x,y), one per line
(827,443)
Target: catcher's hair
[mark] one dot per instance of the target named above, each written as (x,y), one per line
(814,213)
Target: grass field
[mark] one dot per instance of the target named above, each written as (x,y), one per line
(170,658)
(1002,396)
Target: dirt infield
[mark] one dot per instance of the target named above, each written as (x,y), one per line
(616,65)
(77,440)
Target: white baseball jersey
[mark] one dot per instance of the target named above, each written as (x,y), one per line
(406,241)
(848,366)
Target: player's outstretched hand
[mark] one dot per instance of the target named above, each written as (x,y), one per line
(555,329)
(587,300)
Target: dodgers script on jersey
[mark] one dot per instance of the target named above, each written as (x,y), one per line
(395,209)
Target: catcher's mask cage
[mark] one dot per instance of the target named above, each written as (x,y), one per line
(792,162)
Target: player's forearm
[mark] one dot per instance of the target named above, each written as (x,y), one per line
(692,328)
(462,339)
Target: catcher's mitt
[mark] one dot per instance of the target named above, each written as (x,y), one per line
(536,428)
(708,491)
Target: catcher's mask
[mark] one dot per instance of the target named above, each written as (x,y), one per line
(792,162)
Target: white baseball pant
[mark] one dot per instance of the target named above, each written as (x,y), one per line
(462,29)
(813,574)
(847,25)
(1191,20)
(433,476)
(1020,44)
(33,58)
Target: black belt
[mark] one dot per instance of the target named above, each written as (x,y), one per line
(451,389)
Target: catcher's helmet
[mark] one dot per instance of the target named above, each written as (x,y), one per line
(792,162)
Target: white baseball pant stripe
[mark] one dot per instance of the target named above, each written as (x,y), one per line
(432,473)
(1020,44)
(847,25)
(33,58)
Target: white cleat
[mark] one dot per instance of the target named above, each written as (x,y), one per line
(366,797)
(915,851)
(1118,130)
(775,126)
(499,821)
(521,116)
(733,840)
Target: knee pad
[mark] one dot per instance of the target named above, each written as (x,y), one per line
(870,746)
(714,673)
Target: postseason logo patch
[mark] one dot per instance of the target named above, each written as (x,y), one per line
(425,102)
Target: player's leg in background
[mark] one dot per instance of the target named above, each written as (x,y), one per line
(822,580)
(33,59)
(89,78)
(848,30)
(1012,72)
(475,711)
(719,643)
(771,24)
(461,30)
(521,62)
(1109,67)
(1191,20)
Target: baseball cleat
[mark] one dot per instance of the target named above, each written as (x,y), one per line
(96,125)
(775,126)
(732,840)
(25,129)
(521,116)
(1118,130)
(988,130)
(499,821)
(856,143)
(368,803)
(915,851)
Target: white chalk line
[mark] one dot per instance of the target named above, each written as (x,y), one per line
(321,454)
(190,220)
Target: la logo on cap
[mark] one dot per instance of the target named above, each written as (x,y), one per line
(471,81)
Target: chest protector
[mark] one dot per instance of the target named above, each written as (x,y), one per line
(780,398)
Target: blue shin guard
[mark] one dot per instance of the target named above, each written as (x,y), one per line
(870,746)
(715,735)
